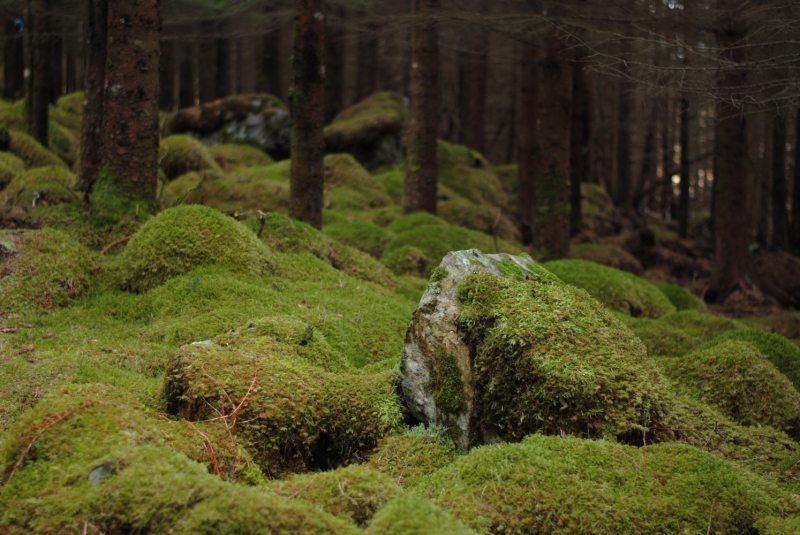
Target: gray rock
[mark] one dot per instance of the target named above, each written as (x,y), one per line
(433,347)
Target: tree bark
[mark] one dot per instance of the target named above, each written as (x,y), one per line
(14,62)
(166,68)
(668,160)
(730,225)
(130,148)
(41,73)
(271,61)
(207,90)
(622,185)
(223,70)
(422,160)
(334,65)
(683,206)
(367,75)
(186,97)
(580,138)
(55,47)
(93,103)
(308,111)
(796,191)
(780,218)
(552,219)
(528,140)
(473,74)
(28,58)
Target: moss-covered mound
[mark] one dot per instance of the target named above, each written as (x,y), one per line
(40,186)
(549,358)
(682,298)
(597,208)
(364,236)
(679,333)
(185,237)
(10,166)
(508,175)
(409,457)
(349,186)
(231,156)
(737,379)
(370,130)
(468,174)
(411,514)
(435,241)
(292,416)
(778,526)
(567,485)
(619,291)
(71,103)
(781,352)
(477,216)
(608,255)
(412,221)
(406,260)
(41,269)
(181,154)
(89,457)
(32,152)
(64,143)
(354,493)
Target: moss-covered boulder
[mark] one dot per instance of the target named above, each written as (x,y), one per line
(348,186)
(619,291)
(608,255)
(41,186)
(742,383)
(354,493)
(411,514)
(41,269)
(10,166)
(406,260)
(64,143)
(499,348)
(468,174)
(681,332)
(232,156)
(261,120)
(364,236)
(71,103)
(32,152)
(412,221)
(370,130)
(554,485)
(778,526)
(180,154)
(186,237)
(409,457)
(681,298)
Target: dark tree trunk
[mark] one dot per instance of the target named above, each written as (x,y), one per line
(334,65)
(166,69)
(27,41)
(223,80)
(473,72)
(731,240)
(42,73)
(646,180)
(668,160)
(528,140)
(512,147)
(55,47)
(93,103)
(130,147)
(14,62)
(367,82)
(207,90)
(796,191)
(308,112)
(422,160)
(780,219)
(552,219)
(622,185)
(580,138)
(186,95)
(271,61)
(683,207)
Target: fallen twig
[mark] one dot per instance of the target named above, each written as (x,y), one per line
(114,244)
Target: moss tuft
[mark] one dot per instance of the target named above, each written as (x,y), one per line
(349,186)
(410,514)
(71,103)
(411,221)
(10,167)
(468,174)
(185,237)
(32,152)
(616,289)
(364,236)
(486,218)
(411,456)
(406,260)
(778,526)
(181,154)
(682,298)
(679,333)
(231,156)
(40,186)
(446,383)
(599,214)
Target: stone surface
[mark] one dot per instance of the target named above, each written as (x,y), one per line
(434,329)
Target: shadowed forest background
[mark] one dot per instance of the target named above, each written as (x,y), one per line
(421,266)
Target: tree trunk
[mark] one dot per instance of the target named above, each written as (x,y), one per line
(796,191)
(552,219)
(186,96)
(41,72)
(28,58)
(92,138)
(130,147)
(223,78)
(422,160)
(780,219)
(528,140)
(473,74)
(308,112)
(166,68)
(580,137)
(271,61)
(14,62)
(55,47)
(644,188)
(367,83)
(207,90)
(623,183)
(730,226)
(334,65)
(683,207)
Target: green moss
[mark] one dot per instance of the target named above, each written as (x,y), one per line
(364,236)
(616,289)
(411,514)
(608,255)
(71,103)
(185,237)
(411,221)
(468,174)
(597,208)
(567,485)
(438,275)
(406,260)
(409,457)
(778,526)
(483,217)
(354,493)
(392,179)
(446,384)
(40,186)
(32,152)
(242,193)
(678,333)
(64,143)
(350,186)
(10,167)
(782,353)
(376,115)
(181,154)
(738,380)
(785,323)
(682,298)
(508,175)
(232,156)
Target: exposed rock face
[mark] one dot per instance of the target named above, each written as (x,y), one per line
(433,346)
(261,120)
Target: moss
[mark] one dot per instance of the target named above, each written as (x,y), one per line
(785,323)
(354,493)
(435,241)
(682,298)
(364,236)
(508,175)
(32,152)
(411,221)
(392,180)
(231,156)
(180,154)
(98,461)
(778,526)
(616,289)
(567,485)
(240,193)
(71,103)
(608,255)
(411,514)
(468,174)
(10,167)
(349,186)
(485,218)
(446,384)
(678,333)
(585,373)
(185,237)
(41,269)
(782,353)
(40,186)
(64,143)
(597,209)
(409,457)
(406,260)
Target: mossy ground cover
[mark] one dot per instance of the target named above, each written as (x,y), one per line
(681,332)
(180,154)
(411,514)
(231,156)
(42,185)
(364,236)
(682,298)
